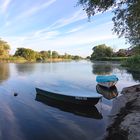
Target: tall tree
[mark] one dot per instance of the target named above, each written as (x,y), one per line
(55,54)
(126,16)
(101,51)
(44,54)
(4,48)
(28,54)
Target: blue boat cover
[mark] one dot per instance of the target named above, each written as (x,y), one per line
(109,78)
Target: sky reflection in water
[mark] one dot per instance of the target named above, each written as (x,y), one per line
(26,117)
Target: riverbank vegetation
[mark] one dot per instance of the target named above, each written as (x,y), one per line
(132,63)
(28,55)
(105,53)
(129,58)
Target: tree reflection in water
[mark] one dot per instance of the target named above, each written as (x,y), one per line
(4,72)
(102,68)
(135,75)
(25,68)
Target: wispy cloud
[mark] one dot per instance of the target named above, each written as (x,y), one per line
(64,29)
(26,13)
(76,29)
(55,40)
(35,9)
(78,15)
(46,34)
(5,4)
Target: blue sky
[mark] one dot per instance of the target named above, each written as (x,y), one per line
(55,25)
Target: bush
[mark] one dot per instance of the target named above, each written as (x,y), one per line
(132,63)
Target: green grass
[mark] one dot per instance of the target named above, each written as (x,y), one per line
(13,59)
(132,63)
(112,59)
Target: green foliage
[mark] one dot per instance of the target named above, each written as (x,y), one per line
(111,59)
(132,63)
(49,54)
(44,54)
(76,57)
(88,57)
(136,50)
(102,69)
(55,54)
(4,49)
(101,51)
(28,54)
(126,16)
(121,53)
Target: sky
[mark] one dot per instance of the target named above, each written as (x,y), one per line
(58,25)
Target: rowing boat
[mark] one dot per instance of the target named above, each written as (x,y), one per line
(75,98)
(107,81)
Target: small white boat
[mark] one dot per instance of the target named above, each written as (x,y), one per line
(107,81)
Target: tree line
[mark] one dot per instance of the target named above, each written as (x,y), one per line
(101,52)
(31,55)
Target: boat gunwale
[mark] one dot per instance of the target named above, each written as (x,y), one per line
(88,101)
(70,96)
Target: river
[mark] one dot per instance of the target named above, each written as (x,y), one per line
(23,117)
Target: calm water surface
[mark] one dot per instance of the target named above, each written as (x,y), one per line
(24,117)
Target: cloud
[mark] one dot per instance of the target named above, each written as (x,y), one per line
(5,4)
(28,11)
(75,17)
(46,34)
(75,29)
(68,41)
(35,9)
(78,15)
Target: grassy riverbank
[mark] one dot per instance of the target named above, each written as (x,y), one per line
(111,59)
(13,59)
(132,63)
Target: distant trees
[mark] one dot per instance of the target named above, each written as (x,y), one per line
(121,53)
(55,54)
(28,54)
(4,48)
(136,50)
(45,54)
(101,51)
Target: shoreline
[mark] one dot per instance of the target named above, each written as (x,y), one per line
(126,122)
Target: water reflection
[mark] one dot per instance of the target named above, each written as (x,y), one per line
(25,68)
(4,72)
(135,75)
(102,68)
(24,118)
(85,111)
(108,93)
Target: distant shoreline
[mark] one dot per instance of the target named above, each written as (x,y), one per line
(22,60)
